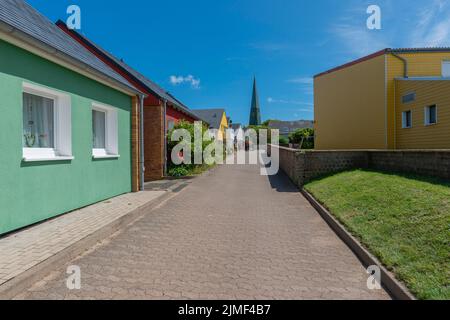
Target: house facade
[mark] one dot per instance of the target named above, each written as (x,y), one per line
(66,132)
(392,99)
(217,120)
(161,110)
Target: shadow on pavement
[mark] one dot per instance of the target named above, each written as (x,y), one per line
(282,183)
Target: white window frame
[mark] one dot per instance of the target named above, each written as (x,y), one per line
(404,122)
(427,115)
(446,68)
(62,123)
(111,149)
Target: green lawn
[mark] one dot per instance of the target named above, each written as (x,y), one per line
(402,219)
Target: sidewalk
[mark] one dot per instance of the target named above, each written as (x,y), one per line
(26,253)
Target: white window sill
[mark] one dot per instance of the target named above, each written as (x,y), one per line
(430,124)
(108,156)
(32,159)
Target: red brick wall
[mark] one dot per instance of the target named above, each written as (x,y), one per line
(175,115)
(154,142)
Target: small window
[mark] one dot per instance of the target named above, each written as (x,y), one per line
(38,122)
(170,125)
(99,129)
(105,135)
(406,119)
(446,69)
(410,97)
(47,129)
(431,115)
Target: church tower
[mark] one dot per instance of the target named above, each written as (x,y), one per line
(255,112)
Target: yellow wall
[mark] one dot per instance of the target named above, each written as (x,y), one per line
(350,107)
(223,127)
(424,64)
(427,93)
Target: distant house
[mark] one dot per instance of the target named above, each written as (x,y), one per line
(161,110)
(216,118)
(391,99)
(288,127)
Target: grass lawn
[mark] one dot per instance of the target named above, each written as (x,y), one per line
(402,219)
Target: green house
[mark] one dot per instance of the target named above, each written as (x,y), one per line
(65,124)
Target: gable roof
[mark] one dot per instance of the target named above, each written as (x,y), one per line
(211,116)
(148,84)
(24,22)
(382,52)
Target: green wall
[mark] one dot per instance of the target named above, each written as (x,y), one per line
(32,192)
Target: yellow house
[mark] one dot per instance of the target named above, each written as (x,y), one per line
(217,119)
(392,99)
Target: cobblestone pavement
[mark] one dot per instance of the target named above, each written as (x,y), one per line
(232,234)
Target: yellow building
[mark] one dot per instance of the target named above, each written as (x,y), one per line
(392,99)
(217,119)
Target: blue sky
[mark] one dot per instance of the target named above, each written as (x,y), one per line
(206,52)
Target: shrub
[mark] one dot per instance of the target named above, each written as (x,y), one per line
(178,171)
(184,169)
(304,137)
(284,141)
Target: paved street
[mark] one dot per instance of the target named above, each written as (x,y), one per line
(231,234)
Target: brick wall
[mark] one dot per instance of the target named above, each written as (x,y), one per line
(154,142)
(303,166)
(135,145)
(423,162)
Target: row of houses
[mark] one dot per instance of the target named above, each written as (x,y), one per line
(78,125)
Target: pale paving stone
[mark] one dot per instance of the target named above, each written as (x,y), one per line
(25,249)
(232,234)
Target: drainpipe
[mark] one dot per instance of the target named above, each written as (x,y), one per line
(141,140)
(405,64)
(165,138)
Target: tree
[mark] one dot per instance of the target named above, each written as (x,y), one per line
(303,137)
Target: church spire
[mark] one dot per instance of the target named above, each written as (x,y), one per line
(255,112)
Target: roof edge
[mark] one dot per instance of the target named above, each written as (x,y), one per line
(382,52)
(44,50)
(351,63)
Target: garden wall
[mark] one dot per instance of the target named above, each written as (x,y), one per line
(303,166)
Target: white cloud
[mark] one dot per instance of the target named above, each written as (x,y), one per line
(177,80)
(433,26)
(420,25)
(302,80)
(291,102)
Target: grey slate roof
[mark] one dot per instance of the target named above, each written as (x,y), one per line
(287,127)
(20,15)
(149,84)
(211,116)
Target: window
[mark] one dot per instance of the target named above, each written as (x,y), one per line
(431,115)
(410,97)
(105,135)
(46,124)
(406,119)
(446,69)
(170,125)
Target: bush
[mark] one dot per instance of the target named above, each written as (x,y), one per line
(304,137)
(178,171)
(185,169)
(284,141)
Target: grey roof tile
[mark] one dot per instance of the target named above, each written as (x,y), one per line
(211,116)
(23,17)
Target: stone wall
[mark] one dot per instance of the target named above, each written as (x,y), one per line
(434,163)
(303,166)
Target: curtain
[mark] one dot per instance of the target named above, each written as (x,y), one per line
(99,129)
(38,122)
